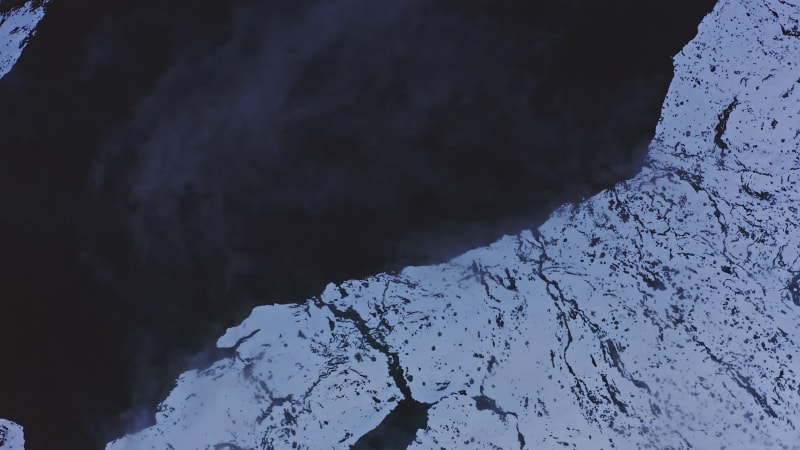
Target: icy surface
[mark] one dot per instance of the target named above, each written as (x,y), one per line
(659,314)
(17,27)
(11,436)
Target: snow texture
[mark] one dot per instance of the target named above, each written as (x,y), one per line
(659,314)
(17,27)
(11,436)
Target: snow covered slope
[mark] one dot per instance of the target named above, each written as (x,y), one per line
(660,314)
(11,436)
(16,29)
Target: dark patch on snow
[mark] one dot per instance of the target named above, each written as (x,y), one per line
(794,289)
(512,282)
(398,429)
(761,195)
(229,446)
(792,32)
(393,360)
(491,363)
(653,282)
(722,124)
(744,383)
(613,392)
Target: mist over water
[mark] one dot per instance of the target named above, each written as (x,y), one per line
(166,166)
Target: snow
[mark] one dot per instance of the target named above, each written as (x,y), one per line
(655,314)
(17,27)
(661,313)
(11,436)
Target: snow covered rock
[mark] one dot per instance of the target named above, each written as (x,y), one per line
(11,436)
(658,314)
(16,29)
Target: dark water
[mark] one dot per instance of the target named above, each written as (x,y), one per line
(166,165)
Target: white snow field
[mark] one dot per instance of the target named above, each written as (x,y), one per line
(17,27)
